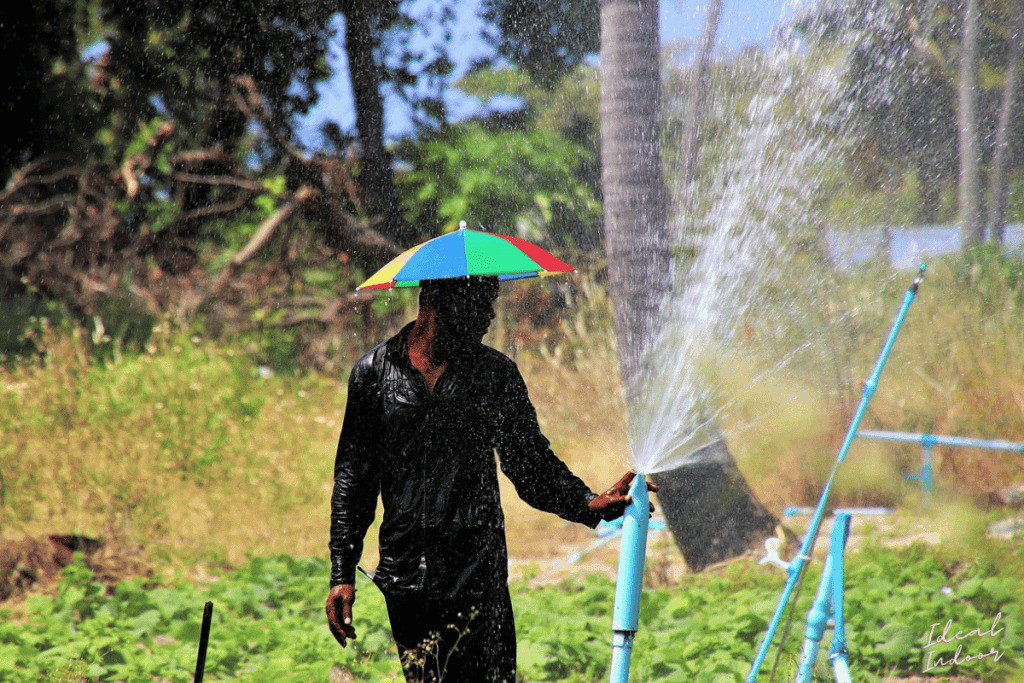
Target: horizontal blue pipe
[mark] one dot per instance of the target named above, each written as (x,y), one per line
(933,440)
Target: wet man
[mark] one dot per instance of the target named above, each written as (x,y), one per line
(427,410)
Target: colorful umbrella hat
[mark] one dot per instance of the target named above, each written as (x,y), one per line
(466,252)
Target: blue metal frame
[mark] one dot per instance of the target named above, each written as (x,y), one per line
(796,566)
(828,605)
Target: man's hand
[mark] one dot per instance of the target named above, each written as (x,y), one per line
(339,612)
(612,503)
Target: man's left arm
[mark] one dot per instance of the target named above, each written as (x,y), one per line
(540,477)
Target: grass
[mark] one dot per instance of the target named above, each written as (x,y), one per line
(183,451)
(189,452)
(955,370)
(193,460)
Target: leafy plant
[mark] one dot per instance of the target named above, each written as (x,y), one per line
(269,624)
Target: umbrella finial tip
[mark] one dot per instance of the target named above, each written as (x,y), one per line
(462,225)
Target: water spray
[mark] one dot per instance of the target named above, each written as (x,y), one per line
(630,579)
(795,568)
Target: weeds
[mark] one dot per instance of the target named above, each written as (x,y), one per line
(182,447)
(187,449)
(428,662)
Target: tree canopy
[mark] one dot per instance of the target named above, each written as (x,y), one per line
(153,155)
(902,77)
(546,38)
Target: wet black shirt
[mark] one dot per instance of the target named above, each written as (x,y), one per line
(430,456)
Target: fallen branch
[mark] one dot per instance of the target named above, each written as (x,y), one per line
(222,209)
(324,318)
(234,181)
(19,179)
(49,206)
(262,236)
(353,235)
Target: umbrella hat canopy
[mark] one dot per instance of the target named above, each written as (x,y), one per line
(466,252)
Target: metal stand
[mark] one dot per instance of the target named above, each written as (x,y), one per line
(828,605)
(795,568)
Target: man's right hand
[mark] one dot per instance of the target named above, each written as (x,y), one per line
(339,612)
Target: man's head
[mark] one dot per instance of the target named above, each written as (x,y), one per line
(464,308)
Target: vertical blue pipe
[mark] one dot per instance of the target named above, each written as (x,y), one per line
(840,534)
(797,565)
(630,580)
(827,603)
(817,622)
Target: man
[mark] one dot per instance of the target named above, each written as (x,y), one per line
(426,412)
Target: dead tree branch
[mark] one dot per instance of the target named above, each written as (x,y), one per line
(262,236)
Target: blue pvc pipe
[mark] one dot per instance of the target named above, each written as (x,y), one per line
(817,622)
(927,474)
(840,534)
(929,440)
(797,565)
(630,580)
(828,603)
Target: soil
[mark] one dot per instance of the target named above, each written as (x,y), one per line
(599,554)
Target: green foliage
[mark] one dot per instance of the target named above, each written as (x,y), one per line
(995,278)
(22,320)
(513,182)
(269,624)
(532,171)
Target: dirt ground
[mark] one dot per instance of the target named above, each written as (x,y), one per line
(33,563)
(599,553)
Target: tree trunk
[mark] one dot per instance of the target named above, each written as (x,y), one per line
(1000,182)
(636,231)
(376,175)
(699,93)
(971,225)
(709,508)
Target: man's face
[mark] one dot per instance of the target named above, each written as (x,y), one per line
(465,310)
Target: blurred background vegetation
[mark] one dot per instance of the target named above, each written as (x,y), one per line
(177,304)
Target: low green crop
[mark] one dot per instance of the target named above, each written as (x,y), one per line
(269,625)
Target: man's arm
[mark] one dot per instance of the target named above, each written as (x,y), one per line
(356,474)
(540,478)
(354,499)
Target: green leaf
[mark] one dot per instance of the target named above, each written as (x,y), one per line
(999,590)
(897,641)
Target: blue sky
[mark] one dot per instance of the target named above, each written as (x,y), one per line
(743,22)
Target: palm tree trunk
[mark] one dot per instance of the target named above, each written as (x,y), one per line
(971,225)
(636,233)
(1000,184)
(708,506)
(376,174)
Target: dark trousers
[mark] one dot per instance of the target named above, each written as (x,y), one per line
(471,641)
